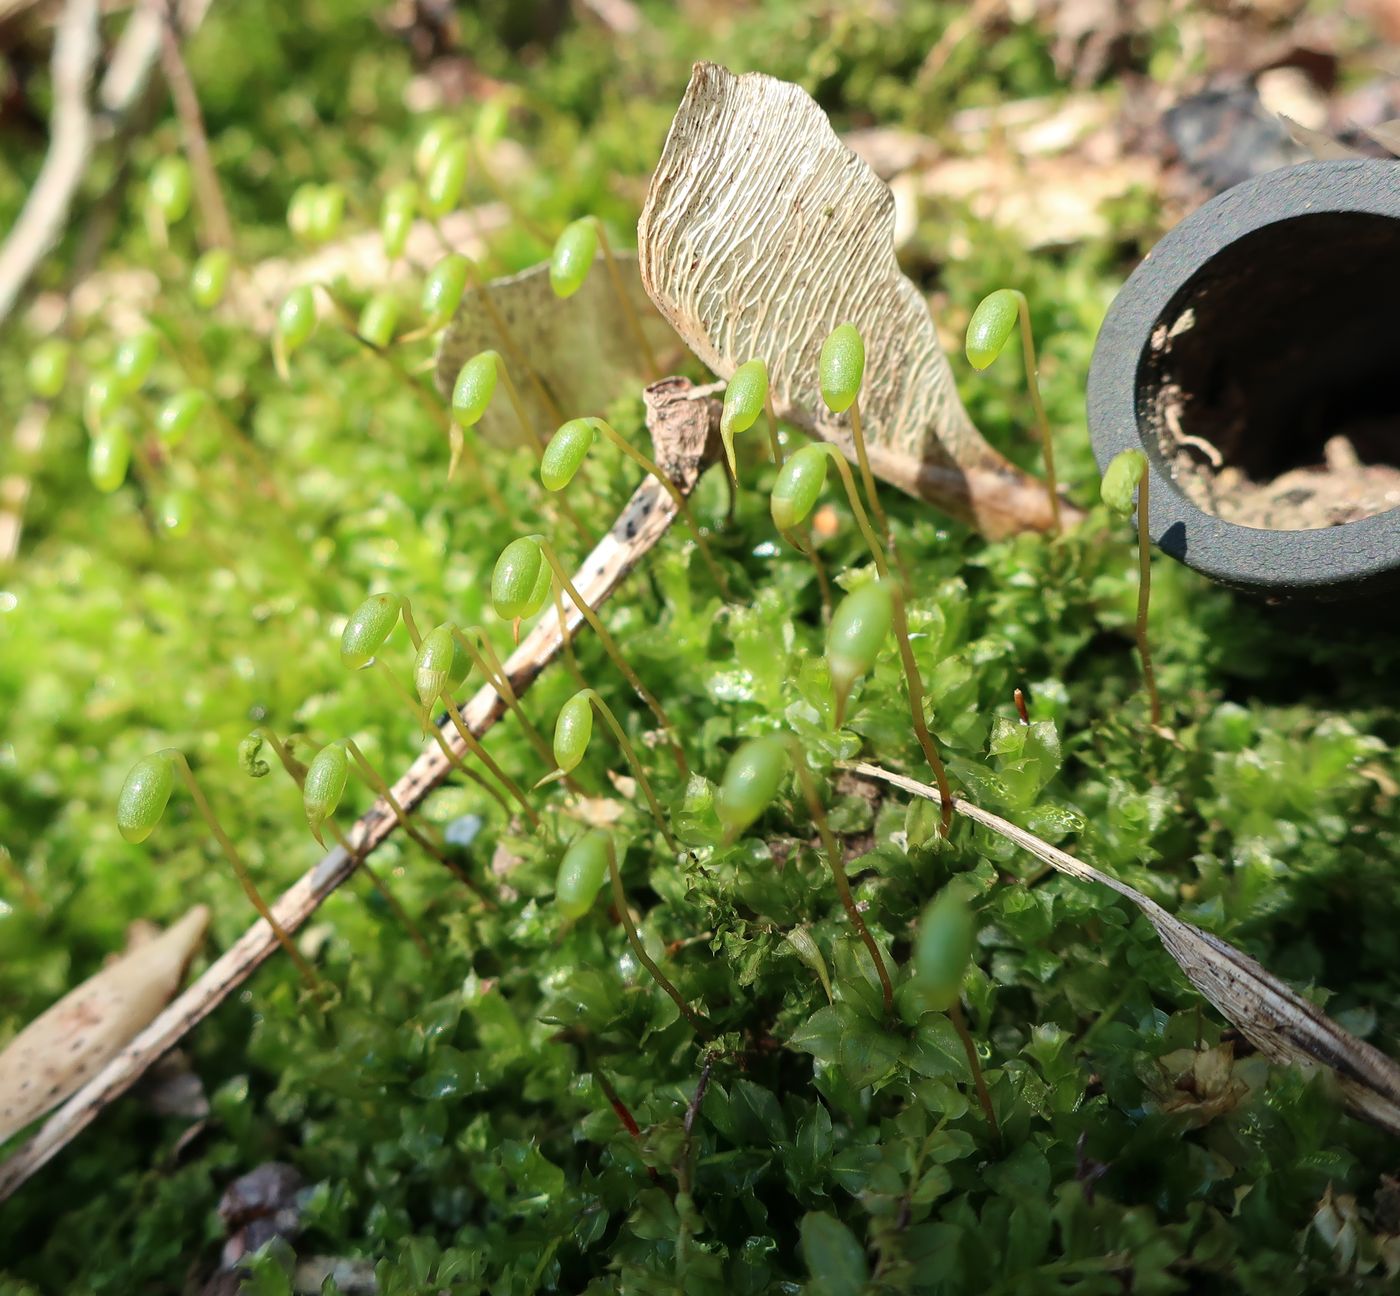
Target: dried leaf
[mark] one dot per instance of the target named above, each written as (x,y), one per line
(1277,1020)
(762,232)
(1387,135)
(1320,144)
(56,1053)
(579,347)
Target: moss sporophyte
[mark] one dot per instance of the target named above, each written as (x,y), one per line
(1126,473)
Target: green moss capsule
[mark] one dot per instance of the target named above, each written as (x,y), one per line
(324,785)
(565,453)
(301,211)
(47,369)
(799,485)
(396,216)
(744,400)
(573,731)
(751,780)
(101,401)
(209,278)
(573,256)
(991,326)
(436,136)
(841,367)
(860,625)
(443,289)
(175,513)
(943,948)
(327,212)
(109,454)
(582,872)
(368,627)
(296,319)
(170,189)
(135,358)
(520,581)
(378,320)
(442,189)
(475,387)
(177,415)
(1121,478)
(442,665)
(144,796)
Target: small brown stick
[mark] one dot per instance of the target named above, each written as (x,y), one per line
(210,196)
(687,437)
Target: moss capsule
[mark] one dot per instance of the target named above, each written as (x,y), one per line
(573,256)
(751,780)
(520,581)
(175,513)
(378,320)
(475,387)
(301,211)
(209,278)
(841,367)
(144,796)
(573,731)
(396,216)
(582,872)
(109,455)
(943,948)
(436,136)
(47,369)
(177,415)
(1121,478)
(442,665)
(444,184)
(368,627)
(101,400)
(991,326)
(135,358)
(799,485)
(744,400)
(565,453)
(324,785)
(169,188)
(296,318)
(443,289)
(860,625)
(327,212)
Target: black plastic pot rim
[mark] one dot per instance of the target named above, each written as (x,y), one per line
(1341,561)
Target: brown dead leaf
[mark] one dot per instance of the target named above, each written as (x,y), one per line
(761,232)
(579,347)
(1275,1018)
(57,1052)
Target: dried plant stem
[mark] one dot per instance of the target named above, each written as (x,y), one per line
(240,870)
(838,869)
(629,312)
(217,226)
(613,651)
(634,938)
(1149,675)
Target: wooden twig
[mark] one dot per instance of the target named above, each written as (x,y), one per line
(210,196)
(45,213)
(685,433)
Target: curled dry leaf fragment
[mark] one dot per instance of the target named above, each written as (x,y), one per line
(1273,1016)
(580,347)
(64,1047)
(761,233)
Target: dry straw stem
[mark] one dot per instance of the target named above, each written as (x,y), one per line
(761,233)
(686,436)
(1277,1020)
